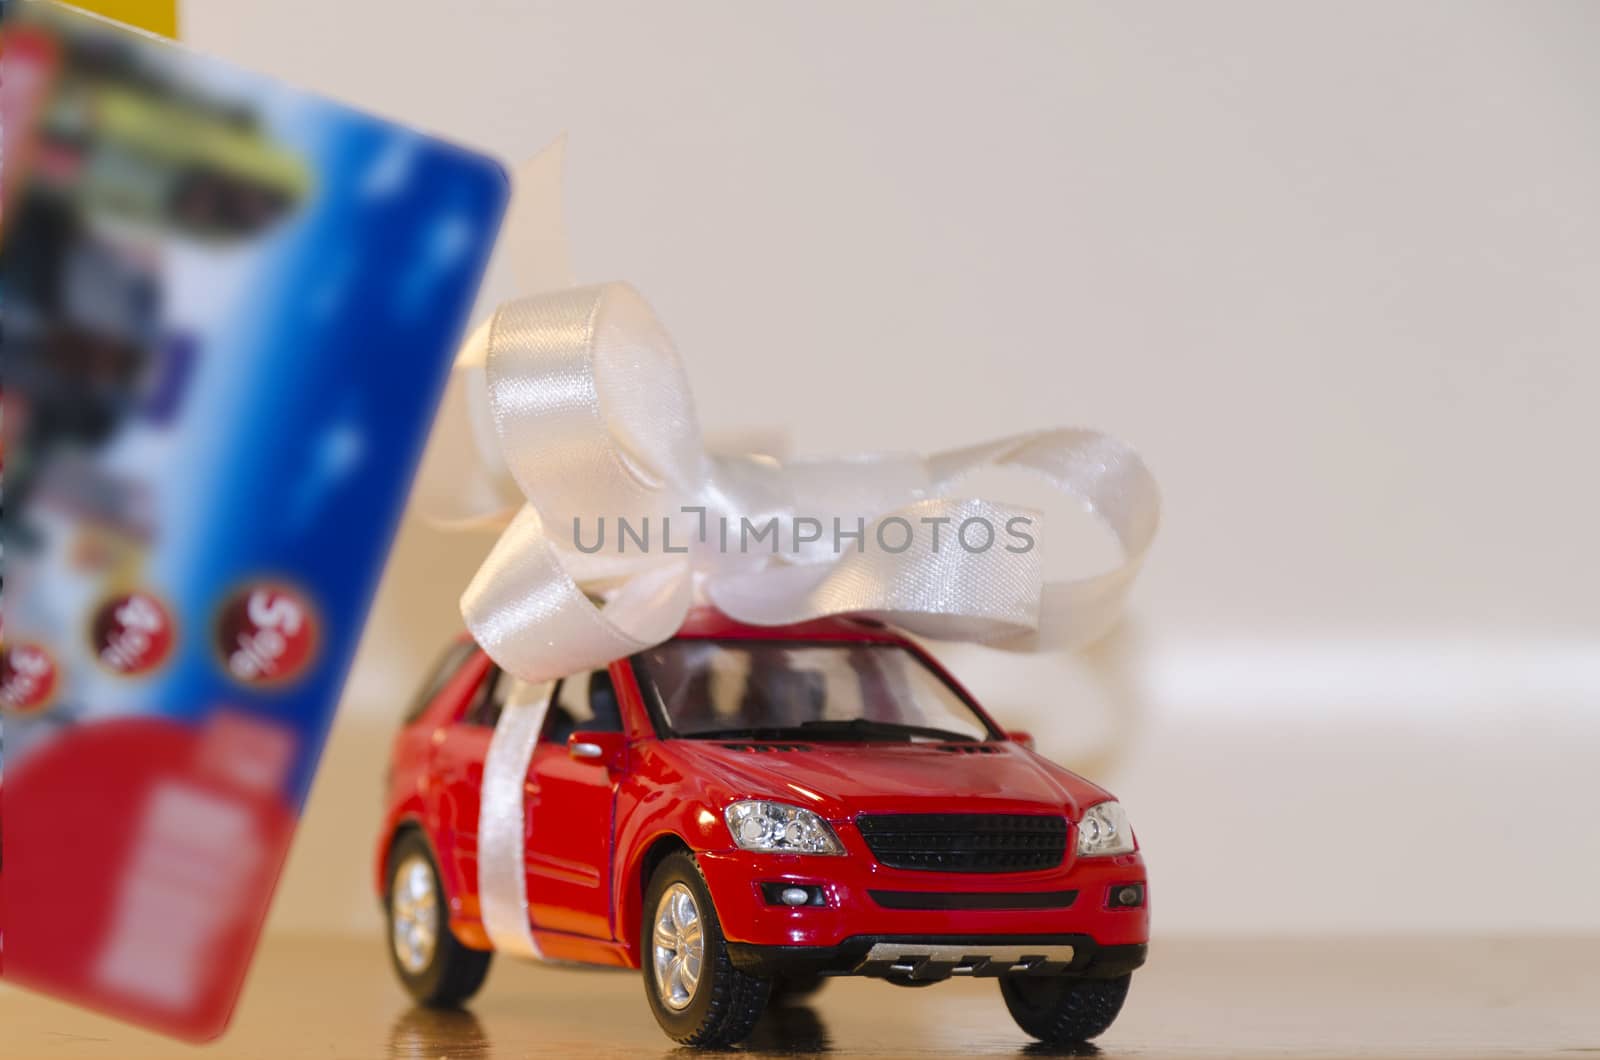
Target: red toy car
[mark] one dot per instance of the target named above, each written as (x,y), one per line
(743,811)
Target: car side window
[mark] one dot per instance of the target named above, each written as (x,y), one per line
(499,689)
(443,670)
(489,699)
(582,701)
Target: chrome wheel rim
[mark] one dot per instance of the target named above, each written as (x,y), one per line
(678,944)
(414,914)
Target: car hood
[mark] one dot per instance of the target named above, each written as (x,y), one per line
(839,780)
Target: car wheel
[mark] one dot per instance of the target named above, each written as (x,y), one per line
(696,993)
(435,968)
(1060,1011)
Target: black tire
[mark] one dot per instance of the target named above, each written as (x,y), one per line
(794,989)
(452,973)
(725,1003)
(1060,1011)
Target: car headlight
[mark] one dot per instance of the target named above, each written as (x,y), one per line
(1104,830)
(778,828)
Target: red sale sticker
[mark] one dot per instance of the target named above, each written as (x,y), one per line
(131,634)
(266,634)
(28,677)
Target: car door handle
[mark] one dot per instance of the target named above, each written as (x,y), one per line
(605,748)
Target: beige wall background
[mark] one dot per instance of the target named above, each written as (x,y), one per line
(1332,268)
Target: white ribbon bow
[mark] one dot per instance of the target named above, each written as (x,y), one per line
(580,409)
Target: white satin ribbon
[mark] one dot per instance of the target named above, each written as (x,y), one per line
(502,823)
(575,406)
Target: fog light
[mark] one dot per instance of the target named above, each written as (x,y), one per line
(793,894)
(1125,896)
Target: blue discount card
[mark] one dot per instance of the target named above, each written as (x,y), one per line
(229,309)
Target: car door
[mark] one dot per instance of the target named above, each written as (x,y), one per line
(460,747)
(570,804)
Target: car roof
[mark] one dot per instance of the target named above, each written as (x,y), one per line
(707,623)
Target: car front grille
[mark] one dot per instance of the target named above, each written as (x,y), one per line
(965,842)
(974,899)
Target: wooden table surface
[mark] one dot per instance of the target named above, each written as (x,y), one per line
(335,998)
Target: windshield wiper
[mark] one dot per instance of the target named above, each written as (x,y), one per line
(770,732)
(828,729)
(867,727)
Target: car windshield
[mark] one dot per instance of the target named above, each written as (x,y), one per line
(855,691)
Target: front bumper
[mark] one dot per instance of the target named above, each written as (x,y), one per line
(865,901)
(931,958)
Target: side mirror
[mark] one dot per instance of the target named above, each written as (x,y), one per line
(607,749)
(1021,736)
